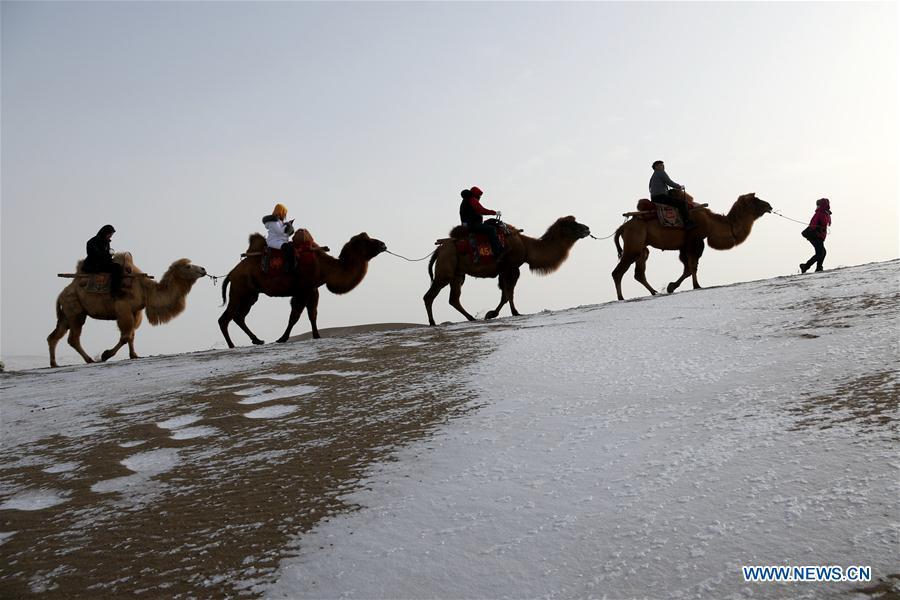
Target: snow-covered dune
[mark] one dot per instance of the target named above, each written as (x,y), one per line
(648,448)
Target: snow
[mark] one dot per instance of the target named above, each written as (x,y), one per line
(271,412)
(647,448)
(38,499)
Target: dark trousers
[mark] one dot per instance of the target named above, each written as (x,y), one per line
(290,259)
(488,231)
(677,203)
(819,256)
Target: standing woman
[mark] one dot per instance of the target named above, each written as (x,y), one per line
(816,233)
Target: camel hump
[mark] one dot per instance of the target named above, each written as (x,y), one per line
(303,236)
(256,243)
(460,232)
(127,261)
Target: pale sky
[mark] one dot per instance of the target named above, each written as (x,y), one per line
(182,124)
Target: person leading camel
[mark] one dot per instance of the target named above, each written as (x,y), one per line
(816,234)
(279,234)
(471,213)
(660,183)
(100,259)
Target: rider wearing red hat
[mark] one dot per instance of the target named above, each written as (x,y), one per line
(471,213)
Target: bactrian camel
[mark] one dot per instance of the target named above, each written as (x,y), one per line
(543,255)
(722,232)
(314,269)
(163,301)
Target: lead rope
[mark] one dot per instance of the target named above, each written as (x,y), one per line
(410,259)
(775,212)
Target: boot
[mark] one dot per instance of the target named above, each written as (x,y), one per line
(804,267)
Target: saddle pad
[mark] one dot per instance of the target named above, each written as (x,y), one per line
(668,216)
(98,283)
(478,247)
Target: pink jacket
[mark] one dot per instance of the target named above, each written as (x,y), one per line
(820,222)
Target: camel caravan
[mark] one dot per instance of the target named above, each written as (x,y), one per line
(289,263)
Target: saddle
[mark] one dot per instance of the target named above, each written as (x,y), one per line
(478,245)
(668,216)
(304,257)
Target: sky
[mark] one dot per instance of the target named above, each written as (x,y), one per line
(182,124)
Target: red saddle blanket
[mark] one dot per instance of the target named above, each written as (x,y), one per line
(668,216)
(303,253)
(478,246)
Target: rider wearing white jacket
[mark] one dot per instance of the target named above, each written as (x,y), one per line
(279,234)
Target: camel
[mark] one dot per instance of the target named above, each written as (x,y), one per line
(340,275)
(722,232)
(163,302)
(543,255)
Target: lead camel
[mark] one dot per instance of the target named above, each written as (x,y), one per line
(721,232)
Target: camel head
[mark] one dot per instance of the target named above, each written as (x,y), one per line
(757,206)
(361,245)
(183,269)
(567,228)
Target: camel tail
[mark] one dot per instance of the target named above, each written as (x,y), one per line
(431,264)
(225,287)
(616,239)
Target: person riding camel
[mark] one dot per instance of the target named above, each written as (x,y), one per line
(279,235)
(660,183)
(471,213)
(100,260)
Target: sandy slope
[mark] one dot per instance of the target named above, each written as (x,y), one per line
(557,455)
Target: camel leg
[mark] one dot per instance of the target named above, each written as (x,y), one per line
(236,311)
(694,274)
(640,270)
(138,317)
(620,270)
(298,303)
(224,320)
(689,260)
(455,292)
(241,313)
(684,275)
(75,337)
(126,332)
(57,334)
(696,264)
(436,286)
(312,313)
(501,283)
(507,282)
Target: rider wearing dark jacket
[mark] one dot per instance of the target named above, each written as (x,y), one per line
(99,259)
(471,213)
(660,182)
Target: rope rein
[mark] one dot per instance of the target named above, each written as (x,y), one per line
(215,278)
(411,259)
(775,212)
(608,236)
